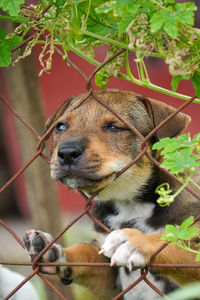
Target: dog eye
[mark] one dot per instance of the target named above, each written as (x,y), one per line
(113,127)
(60,127)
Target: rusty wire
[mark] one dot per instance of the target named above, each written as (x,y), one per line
(89,200)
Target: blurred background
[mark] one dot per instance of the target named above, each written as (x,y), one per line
(34,199)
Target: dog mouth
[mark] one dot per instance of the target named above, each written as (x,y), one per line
(81,179)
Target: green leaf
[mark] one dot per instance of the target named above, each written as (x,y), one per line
(12,6)
(188,292)
(103,29)
(175,82)
(196,137)
(171,27)
(111,69)
(177,234)
(147,7)
(176,79)
(162,143)
(171,233)
(128,17)
(96,23)
(169,2)
(184,137)
(5,48)
(185,12)
(187,233)
(122,11)
(188,222)
(105,7)
(171,229)
(179,153)
(196,82)
(168,145)
(5,58)
(178,161)
(58,4)
(122,6)
(101,81)
(158,19)
(124,24)
(168,18)
(165,18)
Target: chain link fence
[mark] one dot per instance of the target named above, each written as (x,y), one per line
(88,200)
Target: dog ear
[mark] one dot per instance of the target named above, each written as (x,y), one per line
(159,111)
(57,114)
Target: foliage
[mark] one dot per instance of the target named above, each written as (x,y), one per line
(188,292)
(182,158)
(6,46)
(180,154)
(12,6)
(159,28)
(180,235)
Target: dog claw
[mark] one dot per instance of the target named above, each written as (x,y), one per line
(130,267)
(101,251)
(113,262)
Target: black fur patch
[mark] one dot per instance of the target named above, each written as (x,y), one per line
(102,211)
(66,281)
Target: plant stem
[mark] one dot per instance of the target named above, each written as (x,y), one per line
(54,43)
(104,39)
(88,12)
(181,188)
(113,42)
(195,184)
(18,19)
(83,55)
(145,72)
(184,247)
(131,78)
(152,86)
(129,75)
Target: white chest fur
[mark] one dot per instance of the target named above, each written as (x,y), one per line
(133,215)
(141,291)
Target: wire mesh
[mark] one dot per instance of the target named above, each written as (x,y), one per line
(89,200)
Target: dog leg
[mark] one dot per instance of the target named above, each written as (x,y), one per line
(132,248)
(99,280)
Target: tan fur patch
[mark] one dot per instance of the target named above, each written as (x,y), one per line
(107,151)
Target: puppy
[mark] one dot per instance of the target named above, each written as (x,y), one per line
(90,146)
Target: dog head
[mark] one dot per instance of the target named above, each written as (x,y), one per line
(90,145)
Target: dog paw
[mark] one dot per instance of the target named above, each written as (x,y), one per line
(120,250)
(35,241)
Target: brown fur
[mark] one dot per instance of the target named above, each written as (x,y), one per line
(106,154)
(92,277)
(149,243)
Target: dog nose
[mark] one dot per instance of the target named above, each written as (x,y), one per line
(70,152)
